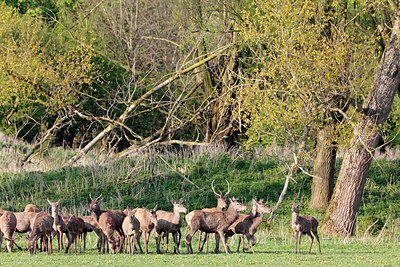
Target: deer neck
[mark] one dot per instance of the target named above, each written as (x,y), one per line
(176,217)
(96,213)
(231,214)
(295,217)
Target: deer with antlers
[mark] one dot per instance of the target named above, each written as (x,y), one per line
(169,222)
(304,225)
(216,222)
(221,205)
(247,224)
(109,220)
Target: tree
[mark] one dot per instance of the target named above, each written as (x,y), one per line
(342,212)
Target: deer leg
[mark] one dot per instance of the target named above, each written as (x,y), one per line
(166,242)
(189,241)
(317,237)
(138,241)
(158,242)
(200,248)
(250,239)
(311,241)
(221,233)
(217,238)
(146,242)
(1,239)
(204,241)
(296,238)
(176,242)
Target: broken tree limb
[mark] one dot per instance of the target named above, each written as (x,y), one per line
(134,104)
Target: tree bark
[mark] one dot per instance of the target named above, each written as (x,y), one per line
(342,212)
(324,165)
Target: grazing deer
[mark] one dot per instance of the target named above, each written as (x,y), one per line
(112,221)
(31,208)
(131,227)
(148,221)
(221,205)
(216,222)
(42,227)
(304,225)
(169,222)
(91,225)
(75,226)
(8,223)
(59,225)
(247,224)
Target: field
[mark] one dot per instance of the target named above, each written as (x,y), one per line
(157,178)
(270,252)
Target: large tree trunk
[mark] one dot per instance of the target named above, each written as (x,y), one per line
(342,211)
(324,165)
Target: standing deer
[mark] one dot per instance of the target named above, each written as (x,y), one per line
(42,227)
(221,205)
(304,225)
(216,222)
(8,223)
(247,224)
(59,225)
(109,222)
(75,226)
(131,227)
(169,222)
(148,221)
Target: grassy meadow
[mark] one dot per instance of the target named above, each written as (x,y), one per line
(157,177)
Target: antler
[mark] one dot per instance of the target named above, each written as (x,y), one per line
(213,189)
(90,196)
(99,197)
(229,189)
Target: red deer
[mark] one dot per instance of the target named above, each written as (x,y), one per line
(42,227)
(169,222)
(59,225)
(216,222)
(8,223)
(110,222)
(148,221)
(75,226)
(221,205)
(304,225)
(91,225)
(31,208)
(247,224)
(131,227)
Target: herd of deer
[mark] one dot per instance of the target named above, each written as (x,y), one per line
(130,225)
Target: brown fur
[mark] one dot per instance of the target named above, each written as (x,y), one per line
(42,227)
(169,222)
(75,227)
(131,227)
(304,225)
(247,224)
(109,222)
(8,223)
(148,221)
(212,222)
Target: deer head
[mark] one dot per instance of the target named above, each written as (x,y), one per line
(95,203)
(221,199)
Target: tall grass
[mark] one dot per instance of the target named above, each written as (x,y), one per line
(158,176)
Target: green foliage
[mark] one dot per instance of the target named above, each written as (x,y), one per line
(306,64)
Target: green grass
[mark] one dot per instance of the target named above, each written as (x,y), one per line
(156,178)
(270,251)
